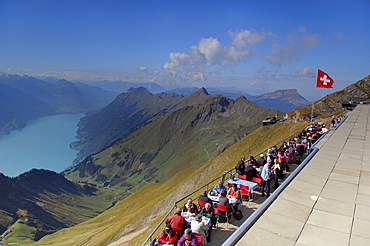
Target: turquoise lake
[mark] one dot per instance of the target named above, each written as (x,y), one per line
(43,143)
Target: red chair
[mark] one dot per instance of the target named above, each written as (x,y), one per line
(223,214)
(258,181)
(249,175)
(242,177)
(200,238)
(201,203)
(290,157)
(244,191)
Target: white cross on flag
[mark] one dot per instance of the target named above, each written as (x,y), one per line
(323,80)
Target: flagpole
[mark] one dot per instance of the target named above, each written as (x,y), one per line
(314,93)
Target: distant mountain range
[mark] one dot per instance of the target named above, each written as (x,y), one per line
(18,107)
(283,100)
(23,98)
(156,136)
(55,96)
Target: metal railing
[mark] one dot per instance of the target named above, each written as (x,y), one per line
(248,223)
(206,187)
(264,206)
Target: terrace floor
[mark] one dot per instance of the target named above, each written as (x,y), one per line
(328,202)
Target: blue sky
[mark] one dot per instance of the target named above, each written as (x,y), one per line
(254,45)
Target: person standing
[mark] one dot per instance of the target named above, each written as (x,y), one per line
(177,221)
(266,177)
(277,173)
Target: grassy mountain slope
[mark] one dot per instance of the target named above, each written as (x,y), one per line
(126,112)
(48,202)
(133,218)
(202,128)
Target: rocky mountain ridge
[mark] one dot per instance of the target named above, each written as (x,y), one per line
(333,102)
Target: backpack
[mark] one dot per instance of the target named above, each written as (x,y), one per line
(238,215)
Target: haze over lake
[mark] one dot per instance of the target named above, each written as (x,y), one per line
(43,143)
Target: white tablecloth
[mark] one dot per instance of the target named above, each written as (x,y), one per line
(238,181)
(189,218)
(216,199)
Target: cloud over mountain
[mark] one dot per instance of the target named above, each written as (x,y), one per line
(192,65)
(209,51)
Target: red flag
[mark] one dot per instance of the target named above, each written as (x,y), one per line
(323,80)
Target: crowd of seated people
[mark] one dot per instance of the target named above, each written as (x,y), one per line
(289,152)
(268,167)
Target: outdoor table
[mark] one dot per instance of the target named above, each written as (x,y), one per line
(250,184)
(216,199)
(189,217)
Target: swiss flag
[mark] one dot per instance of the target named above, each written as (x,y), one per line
(323,80)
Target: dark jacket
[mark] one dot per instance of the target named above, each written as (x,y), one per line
(240,167)
(205,199)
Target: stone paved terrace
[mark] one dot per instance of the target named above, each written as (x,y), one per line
(328,203)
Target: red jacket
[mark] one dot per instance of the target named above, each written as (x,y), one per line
(177,221)
(165,237)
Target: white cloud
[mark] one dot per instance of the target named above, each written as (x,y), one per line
(212,50)
(298,43)
(283,54)
(209,52)
(143,69)
(304,73)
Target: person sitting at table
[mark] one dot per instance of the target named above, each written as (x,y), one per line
(188,239)
(224,201)
(209,213)
(190,207)
(177,221)
(198,226)
(168,236)
(218,189)
(251,168)
(261,161)
(234,193)
(204,198)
